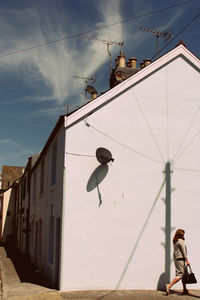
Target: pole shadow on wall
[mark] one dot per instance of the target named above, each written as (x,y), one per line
(104,156)
(165,276)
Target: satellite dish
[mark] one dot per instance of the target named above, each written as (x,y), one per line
(103,155)
(90,89)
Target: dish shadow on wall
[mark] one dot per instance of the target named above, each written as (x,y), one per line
(96,178)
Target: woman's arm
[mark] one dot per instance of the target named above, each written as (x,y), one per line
(187,261)
(183,251)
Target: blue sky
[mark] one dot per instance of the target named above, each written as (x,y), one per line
(37,84)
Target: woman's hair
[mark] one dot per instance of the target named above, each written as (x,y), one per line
(179,234)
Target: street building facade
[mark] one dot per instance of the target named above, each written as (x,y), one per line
(98,207)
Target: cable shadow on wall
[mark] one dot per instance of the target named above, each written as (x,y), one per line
(139,238)
(96,178)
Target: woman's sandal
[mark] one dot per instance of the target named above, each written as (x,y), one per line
(167,289)
(186,293)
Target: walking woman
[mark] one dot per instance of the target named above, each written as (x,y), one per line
(180,259)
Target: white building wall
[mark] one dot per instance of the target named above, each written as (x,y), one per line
(119,244)
(0,179)
(7,214)
(22,187)
(45,205)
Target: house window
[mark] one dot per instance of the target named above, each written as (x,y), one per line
(42,178)
(40,238)
(51,240)
(32,235)
(53,164)
(34,186)
(24,187)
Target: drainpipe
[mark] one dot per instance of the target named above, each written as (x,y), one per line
(63,213)
(28,211)
(168,221)
(1,215)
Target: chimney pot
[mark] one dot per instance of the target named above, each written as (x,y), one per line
(133,62)
(128,64)
(146,62)
(94,95)
(142,65)
(117,62)
(122,60)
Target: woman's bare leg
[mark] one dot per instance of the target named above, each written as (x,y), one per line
(168,286)
(185,290)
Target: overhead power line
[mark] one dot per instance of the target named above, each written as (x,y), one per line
(123,145)
(183,29)
(96,29)
(148,125)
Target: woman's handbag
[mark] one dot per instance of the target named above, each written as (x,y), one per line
(188,276)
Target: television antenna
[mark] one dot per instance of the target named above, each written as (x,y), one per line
(70,108)
(165,34)
(108,43)
(85,79)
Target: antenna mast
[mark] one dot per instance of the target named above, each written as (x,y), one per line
(108,43)
(70,108)
(166,34)
(85,79)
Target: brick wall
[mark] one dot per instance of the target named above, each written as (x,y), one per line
(9,175)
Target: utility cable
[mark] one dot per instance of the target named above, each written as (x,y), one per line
(198,132)
(186,132)
(123,145)
(148,125)
(183,29)
(187,170)
(97,29)
(78,154)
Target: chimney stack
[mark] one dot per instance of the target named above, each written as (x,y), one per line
(122,60)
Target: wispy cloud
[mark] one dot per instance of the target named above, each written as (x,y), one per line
(55,65)
(50,111)
(97,53)
(14,152)
(26,99)
(4,141)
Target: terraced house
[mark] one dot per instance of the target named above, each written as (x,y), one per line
(96,208)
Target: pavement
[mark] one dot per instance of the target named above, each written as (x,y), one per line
(12,288)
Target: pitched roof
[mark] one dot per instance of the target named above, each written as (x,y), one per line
(75,116)
(179,50)
(38,157)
